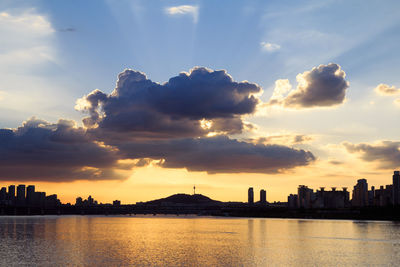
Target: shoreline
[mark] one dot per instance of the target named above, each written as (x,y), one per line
(370,213)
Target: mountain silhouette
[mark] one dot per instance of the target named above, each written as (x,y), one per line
(197,199)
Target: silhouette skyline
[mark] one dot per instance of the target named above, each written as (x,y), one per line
(29,202)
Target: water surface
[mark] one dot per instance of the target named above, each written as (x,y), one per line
(195,241)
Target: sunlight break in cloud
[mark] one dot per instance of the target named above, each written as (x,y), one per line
(184,10)
(269,47)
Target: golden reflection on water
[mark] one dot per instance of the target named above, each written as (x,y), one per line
(194,241)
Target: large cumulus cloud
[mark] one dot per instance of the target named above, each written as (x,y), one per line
(323,86)
(39,150)
(177,108)
(186,122)
(386,153)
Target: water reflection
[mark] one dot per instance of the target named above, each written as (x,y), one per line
(195,241)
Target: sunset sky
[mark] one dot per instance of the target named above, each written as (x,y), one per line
(137,100)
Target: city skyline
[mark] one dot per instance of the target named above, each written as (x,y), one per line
(361,196)
(138,100)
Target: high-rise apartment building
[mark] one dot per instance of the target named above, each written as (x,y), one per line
(30,195)
(304,197)
(11,195)
(396,188)
(263,197)
(21,195)
(360,194)
(250,195)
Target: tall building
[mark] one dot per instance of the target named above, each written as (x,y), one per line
(42,199)
(384,196)
(30,195)
(11,195)
(360,194)
(292,201)
(396,188)
(263,197)
(3,196)
(52,201)
(90,201)
(78,201)
(21,195)
(304,197)
(251,195)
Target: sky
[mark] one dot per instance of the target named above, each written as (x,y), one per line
(137,100)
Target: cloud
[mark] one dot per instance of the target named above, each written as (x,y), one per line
(282,87)
(385,153)
(141,108)
(42,151)
(384,89)
(28,39)
(269,47)
(60,152)
(335,162)
(323,86)
(285,139)
(219,154)
(182,123)
(173,122)
(184,10)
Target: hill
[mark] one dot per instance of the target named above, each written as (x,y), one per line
(196,199)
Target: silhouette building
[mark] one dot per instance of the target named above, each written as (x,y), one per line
(360,194)
(11,195)
(52,201)
(383,196)
(396,188)
(251,196)
(79,201)
(3,196)
(292,201)
(331,199)
(304,197)
(21,195)
(30,195)
(263,197)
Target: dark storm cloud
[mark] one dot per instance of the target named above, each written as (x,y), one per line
(173,109)
(39,150)
(219,154)
(323,86)
(386,153)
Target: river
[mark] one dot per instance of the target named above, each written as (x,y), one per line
(195,241)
